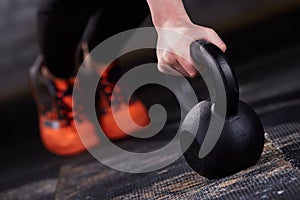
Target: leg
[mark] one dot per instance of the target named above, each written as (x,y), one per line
(60,26)
(115,18)
(60,31)
(112,19)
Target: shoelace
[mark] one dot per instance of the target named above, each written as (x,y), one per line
(64,102)
(104,93)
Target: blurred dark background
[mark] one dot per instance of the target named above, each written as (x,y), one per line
(256,32)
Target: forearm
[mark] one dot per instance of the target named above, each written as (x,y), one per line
(163,11)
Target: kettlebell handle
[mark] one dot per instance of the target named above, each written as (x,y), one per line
(203,54)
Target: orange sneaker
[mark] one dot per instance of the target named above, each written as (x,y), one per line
(137,110)
(53,97)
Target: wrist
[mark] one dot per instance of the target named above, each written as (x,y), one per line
(167,12)
(173,21)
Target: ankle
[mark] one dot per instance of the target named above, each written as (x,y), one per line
(45,72)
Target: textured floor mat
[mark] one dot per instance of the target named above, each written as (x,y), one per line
(286,138)
(274,177)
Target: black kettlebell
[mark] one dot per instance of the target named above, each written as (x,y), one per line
(240,142)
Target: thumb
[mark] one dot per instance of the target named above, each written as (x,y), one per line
(213,37)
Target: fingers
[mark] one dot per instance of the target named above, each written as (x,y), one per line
(211,36)
(188,67)
(179,41)
(173,64)
(168,70)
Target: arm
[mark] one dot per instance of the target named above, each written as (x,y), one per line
(171,15)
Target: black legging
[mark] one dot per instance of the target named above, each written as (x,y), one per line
(62,24)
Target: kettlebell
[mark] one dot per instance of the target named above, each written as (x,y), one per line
(240,142)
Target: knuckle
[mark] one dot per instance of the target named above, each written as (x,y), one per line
(160,68)
(168,58)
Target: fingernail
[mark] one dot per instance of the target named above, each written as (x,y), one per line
(223,47)
(192,74)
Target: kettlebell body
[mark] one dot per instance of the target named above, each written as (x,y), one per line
(238,147)
(241,140)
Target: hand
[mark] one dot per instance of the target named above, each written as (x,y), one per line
(175,34)
(173,46)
